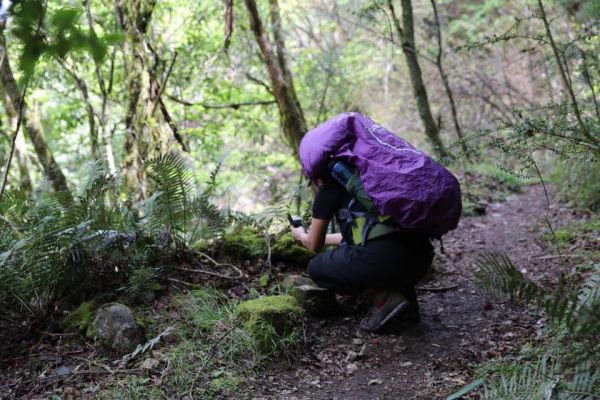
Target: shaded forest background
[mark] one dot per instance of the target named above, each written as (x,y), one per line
(137,136)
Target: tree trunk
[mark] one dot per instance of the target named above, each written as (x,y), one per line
(31,122)
(565,79)
(406,33)
(290,111)
(445,81)
(144,121)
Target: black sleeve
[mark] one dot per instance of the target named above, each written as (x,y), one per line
(328,200)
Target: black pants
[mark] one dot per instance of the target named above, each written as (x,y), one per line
(392,262)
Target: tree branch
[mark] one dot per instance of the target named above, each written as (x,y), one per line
(14,139)
(235,106)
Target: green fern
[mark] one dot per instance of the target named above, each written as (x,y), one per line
(575,318)
(142,279)
(497,276)
(169,206)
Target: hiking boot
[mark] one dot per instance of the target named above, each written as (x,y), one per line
(390,304)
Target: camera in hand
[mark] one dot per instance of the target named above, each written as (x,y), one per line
(295,220)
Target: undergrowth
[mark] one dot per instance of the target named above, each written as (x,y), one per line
(565,362)
(213,353)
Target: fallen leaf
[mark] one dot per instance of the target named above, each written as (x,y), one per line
(352,355)
(351,368)
(149,363)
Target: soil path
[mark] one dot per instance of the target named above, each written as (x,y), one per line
(460,327)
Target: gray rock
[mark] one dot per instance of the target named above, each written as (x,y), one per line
(117,329)
(291,281)
(315,300)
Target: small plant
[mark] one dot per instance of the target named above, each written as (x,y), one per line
(566,366)
(213,350)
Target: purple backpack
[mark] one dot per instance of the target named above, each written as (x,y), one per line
(408,185)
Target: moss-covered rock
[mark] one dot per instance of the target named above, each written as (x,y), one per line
(81,320)
(277,313)
(287,250)
(244,243)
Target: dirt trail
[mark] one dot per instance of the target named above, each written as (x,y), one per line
(459,329)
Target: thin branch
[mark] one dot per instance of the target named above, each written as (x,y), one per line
(444,76)
(162,87)
(235,106)
(14,139)
(563,76)
(260,82)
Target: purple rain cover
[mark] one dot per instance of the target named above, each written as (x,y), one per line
(420,194)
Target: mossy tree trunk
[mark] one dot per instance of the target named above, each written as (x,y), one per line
(274,56)
(147,135)
(31,122)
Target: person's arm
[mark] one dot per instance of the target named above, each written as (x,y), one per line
(333,239)
(316,236)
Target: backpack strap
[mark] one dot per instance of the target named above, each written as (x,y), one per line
(366,225)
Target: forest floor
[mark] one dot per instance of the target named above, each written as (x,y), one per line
(460,329)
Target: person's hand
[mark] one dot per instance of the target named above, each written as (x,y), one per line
(297,233)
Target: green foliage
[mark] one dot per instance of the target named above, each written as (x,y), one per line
(52,32)
(71,246)
(243,243)
(212,354)
(287,250)
(579,181)
(81,320)
(567,366)
(175,208)
(271,321)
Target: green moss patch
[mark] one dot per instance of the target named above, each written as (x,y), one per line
(81,320)
(227,382)
(245,243)
(277,313)
(287,250)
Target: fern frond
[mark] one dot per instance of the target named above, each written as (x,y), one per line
(498,276)
(142,279)
(208,221)
(212,180)
(581,385)
(531,380)
(174,182)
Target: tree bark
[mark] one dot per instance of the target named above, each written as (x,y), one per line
(406,33)
(105,92)
(146,136)
(274,57)
(444,76)
(31,122)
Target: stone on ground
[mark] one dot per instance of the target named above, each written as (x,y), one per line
(315,300)
(281,312)
(117,329)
